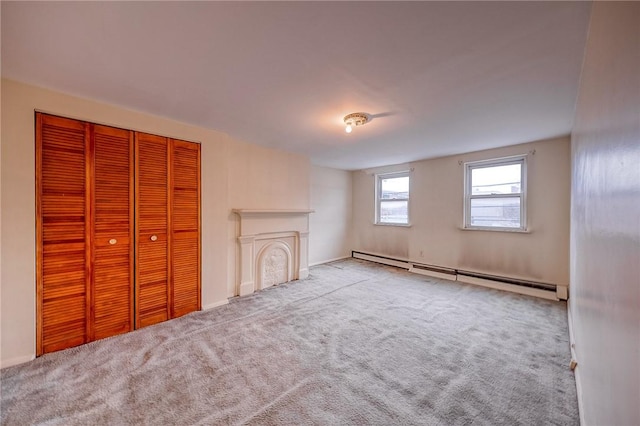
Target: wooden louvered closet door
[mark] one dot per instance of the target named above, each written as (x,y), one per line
(91,182)
(152,229)
(185,227)
(84,232)
(113,232)
(62,233)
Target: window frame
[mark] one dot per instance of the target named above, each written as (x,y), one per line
(379,200)
(522,195)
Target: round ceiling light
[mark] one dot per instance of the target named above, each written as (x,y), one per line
(355,119)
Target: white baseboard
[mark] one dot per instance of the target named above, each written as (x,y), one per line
(215,304)
(17,360)
(529,291)
(328,261)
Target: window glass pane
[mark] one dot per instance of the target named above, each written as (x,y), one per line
(394,212)
(497,212)
(394,188)
(496,180)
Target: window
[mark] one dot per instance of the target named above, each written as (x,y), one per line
(392,199)
(495,194)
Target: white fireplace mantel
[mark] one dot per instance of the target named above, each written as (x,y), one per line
(274,247)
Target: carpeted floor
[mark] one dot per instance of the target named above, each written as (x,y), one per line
(355,343)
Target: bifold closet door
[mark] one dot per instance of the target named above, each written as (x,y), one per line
(185,227)
(168,228)
(98,272)
(152,229)
(84,229)
(113,231)
(63,234)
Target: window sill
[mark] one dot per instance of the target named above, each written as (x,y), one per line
(508,230)
(401,225)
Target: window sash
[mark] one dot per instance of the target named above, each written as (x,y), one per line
(389,218)
(496,212)
(469,167)
(381,201)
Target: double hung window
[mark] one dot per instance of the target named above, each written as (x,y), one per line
(392,198)
(495,194)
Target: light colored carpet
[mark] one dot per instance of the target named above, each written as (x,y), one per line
(355,343)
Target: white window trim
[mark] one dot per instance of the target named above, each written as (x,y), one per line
(378,199)
(468,166)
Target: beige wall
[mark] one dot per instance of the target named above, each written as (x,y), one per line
(435,236)
(605,219)
(232,174)
(329,230)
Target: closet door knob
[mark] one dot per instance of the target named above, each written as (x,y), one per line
(154,238)
(113,241)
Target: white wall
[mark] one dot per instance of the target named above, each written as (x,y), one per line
(232,174)
(605,219)
(436,236)
(329,225)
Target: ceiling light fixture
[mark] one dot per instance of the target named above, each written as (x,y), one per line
(355,119)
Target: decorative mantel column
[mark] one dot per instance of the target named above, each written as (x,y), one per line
(274,248)
(247,278)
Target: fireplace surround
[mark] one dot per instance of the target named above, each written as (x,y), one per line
(274,248)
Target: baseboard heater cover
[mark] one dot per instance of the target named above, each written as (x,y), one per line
(531,288)
(433,271)
(523,283)
(514,288)
(381,259)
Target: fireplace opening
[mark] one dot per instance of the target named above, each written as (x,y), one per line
(274,265)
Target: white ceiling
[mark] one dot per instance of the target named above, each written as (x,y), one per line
(439,78)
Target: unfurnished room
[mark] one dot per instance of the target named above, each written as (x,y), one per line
(320,213)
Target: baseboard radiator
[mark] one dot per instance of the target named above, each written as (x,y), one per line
(381,259)
(531,288)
